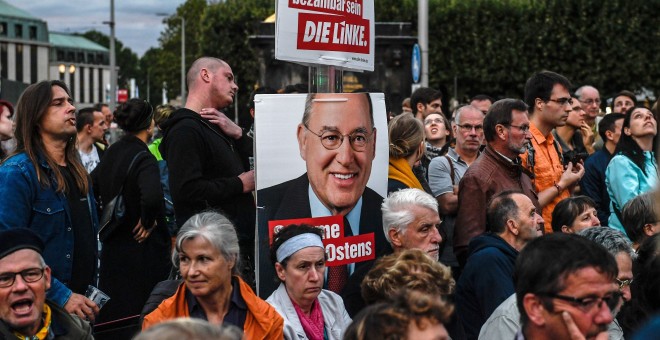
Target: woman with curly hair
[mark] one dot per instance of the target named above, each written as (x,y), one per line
(411,314)
(409,269)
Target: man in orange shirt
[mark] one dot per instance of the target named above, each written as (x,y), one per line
(546,94)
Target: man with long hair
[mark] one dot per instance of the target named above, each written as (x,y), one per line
(45,188)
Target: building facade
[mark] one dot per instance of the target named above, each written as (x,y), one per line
(29,53)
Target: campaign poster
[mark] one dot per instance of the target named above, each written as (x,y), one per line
(328,32)
(319,155)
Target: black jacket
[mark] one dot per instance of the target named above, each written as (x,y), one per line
(142,190)
(204,165)
(129,270)
(64,326)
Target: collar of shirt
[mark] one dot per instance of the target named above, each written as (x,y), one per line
(451,152)
(319,210)
(236,301)
(505,157)
(538,136)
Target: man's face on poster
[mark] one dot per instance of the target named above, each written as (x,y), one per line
(338,174)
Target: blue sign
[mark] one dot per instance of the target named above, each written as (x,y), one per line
(416,63)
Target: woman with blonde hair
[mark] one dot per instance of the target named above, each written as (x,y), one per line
(406,136)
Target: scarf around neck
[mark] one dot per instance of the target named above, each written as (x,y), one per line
(401,171)
(431,151)
(313,325)
(43,332)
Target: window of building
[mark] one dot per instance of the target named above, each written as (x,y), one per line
(101,86)
(33,32)
(3,29)
(18,29)
(3,60)
(72,85)
(34,64)
(19,63)
(90,84)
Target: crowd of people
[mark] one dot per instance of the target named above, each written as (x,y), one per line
(532,218)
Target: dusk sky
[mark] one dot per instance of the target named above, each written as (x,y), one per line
(137,25)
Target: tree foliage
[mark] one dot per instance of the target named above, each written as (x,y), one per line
(488,46)
(224,32)
(494,46)
(127,60)
(216,29)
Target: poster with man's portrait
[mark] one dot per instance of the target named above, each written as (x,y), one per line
(319,155)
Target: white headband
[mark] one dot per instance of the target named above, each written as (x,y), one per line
(292,245)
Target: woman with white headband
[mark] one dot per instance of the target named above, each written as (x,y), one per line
(309,311)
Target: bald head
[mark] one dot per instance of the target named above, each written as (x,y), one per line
(586,89)
(211,84)
(590,101)
(209,63)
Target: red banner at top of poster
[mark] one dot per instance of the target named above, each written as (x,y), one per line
(322,32)
(341,7)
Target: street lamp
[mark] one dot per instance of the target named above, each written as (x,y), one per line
(71,79)
(183,56)
(113,61)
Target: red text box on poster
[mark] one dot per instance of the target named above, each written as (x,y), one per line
(323,32)
(339,249)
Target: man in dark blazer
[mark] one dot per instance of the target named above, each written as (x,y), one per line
(337,139)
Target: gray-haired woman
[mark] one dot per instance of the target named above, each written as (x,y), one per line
(206,254)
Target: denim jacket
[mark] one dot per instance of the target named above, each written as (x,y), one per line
(24,203)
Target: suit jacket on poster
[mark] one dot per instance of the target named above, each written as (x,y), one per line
(290,200)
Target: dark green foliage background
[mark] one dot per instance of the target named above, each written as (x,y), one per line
(494,46)
(489,46)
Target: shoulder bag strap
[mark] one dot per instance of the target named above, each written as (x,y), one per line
(130,166)
(451,170)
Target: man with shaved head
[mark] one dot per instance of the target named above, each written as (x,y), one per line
(207,154)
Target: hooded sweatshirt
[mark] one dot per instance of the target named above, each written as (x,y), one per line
(486,281)
(204,165)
